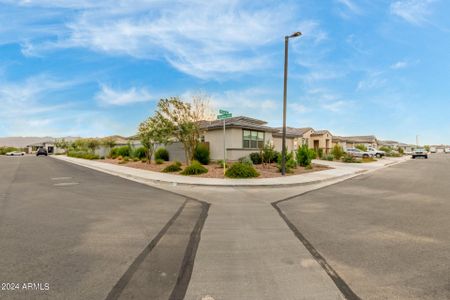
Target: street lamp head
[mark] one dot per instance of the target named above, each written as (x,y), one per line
(295,34)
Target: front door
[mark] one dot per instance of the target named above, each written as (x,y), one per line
(316,145)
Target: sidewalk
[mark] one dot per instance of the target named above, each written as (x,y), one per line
(341,170)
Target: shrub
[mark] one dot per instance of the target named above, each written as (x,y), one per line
(305,155)
(347,158)
(135,159)
(162,153)
(159,161)
(361,147)
(320,152)
(337,152)
(144,160)
(290,165)
(241,170)
(308,167)
(126,158)
(268,154)
(123,162)
(256,158)
(140,153)
(201,154)
(120,151)
(194,169)
(401,151)
(368,159)
(386,149)
(245,160)
(329,157)
(220,163)
(82,154)
(4,150)
(173,167)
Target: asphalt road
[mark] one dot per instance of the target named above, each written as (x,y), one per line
(68,232)
(385,234)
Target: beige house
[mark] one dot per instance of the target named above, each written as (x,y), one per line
(295,137)
(351,141)
(321,139)
(243,135)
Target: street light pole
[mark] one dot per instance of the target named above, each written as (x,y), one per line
(283,143)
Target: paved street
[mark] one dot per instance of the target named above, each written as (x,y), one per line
(90,235)
(387,233)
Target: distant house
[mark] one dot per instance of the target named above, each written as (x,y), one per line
(321,139)
(351,141)
(47,145)
(243,135)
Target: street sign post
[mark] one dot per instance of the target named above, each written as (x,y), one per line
(223,115)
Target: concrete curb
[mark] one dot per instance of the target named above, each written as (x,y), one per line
(165,179)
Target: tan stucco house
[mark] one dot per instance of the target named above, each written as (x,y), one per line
(295,137)
(351,141)
(243,135)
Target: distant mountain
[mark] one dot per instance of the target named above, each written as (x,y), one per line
(23,141)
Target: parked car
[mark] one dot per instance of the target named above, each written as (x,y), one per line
(420,152)
(432,149)
(41,151)
(15,153)
(357,153)
(375,152)
(447,150)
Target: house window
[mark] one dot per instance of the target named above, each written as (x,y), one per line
(253,139)
(202,138)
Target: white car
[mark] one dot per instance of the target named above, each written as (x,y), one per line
(357,153)
(447,150)
(15,153)
(375,152)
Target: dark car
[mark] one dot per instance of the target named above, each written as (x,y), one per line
(41,151)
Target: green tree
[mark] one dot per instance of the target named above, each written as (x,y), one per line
(92,144)
(305,155)
(361,147)
(154,130)
(181,121)
(427,147)
(62,144)
(109,143)
(337,152)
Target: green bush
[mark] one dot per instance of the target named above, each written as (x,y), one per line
(144,160)
(120,151)
(361,147)
(337,152)
(159,161)
(241,170)
(194,169)
(329,157)
(290,165)
(386,149)
(305,155)
(308,167)
(245,160)
(173,167)
(347,158)
(201,154)
(320,152)
(140,153)
(268,154)
(4,150)
(162,153)
(220,163)
(256,158)
(135,159)
(82,154)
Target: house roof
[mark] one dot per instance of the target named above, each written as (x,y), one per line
(356,139)
(320,132)
(291,131)
(237,122)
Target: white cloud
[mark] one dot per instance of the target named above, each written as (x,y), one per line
(415,12)
(110,96)
(298,108)
(203,39)
(350,5)
(336,106)
(399,65)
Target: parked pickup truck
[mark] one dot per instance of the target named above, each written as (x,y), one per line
(375,152)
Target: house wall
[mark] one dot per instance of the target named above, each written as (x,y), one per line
(233,143)
(324,142)
(290,143)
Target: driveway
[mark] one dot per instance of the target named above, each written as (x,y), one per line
(68,232)
(386,234)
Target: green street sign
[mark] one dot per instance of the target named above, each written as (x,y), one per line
(223,112)
(224,116)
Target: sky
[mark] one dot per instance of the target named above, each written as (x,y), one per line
(98,68)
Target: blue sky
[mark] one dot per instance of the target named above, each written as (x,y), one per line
(96,68)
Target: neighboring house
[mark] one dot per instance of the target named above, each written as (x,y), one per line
(295,137)
(48,145)
(351,141)
(407,148)
(243,135)
(321,139)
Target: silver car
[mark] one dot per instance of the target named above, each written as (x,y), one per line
(15,153)
(357,153)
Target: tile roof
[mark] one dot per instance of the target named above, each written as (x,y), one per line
(320,132)
(356,139)
(237,122)
(291,131)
